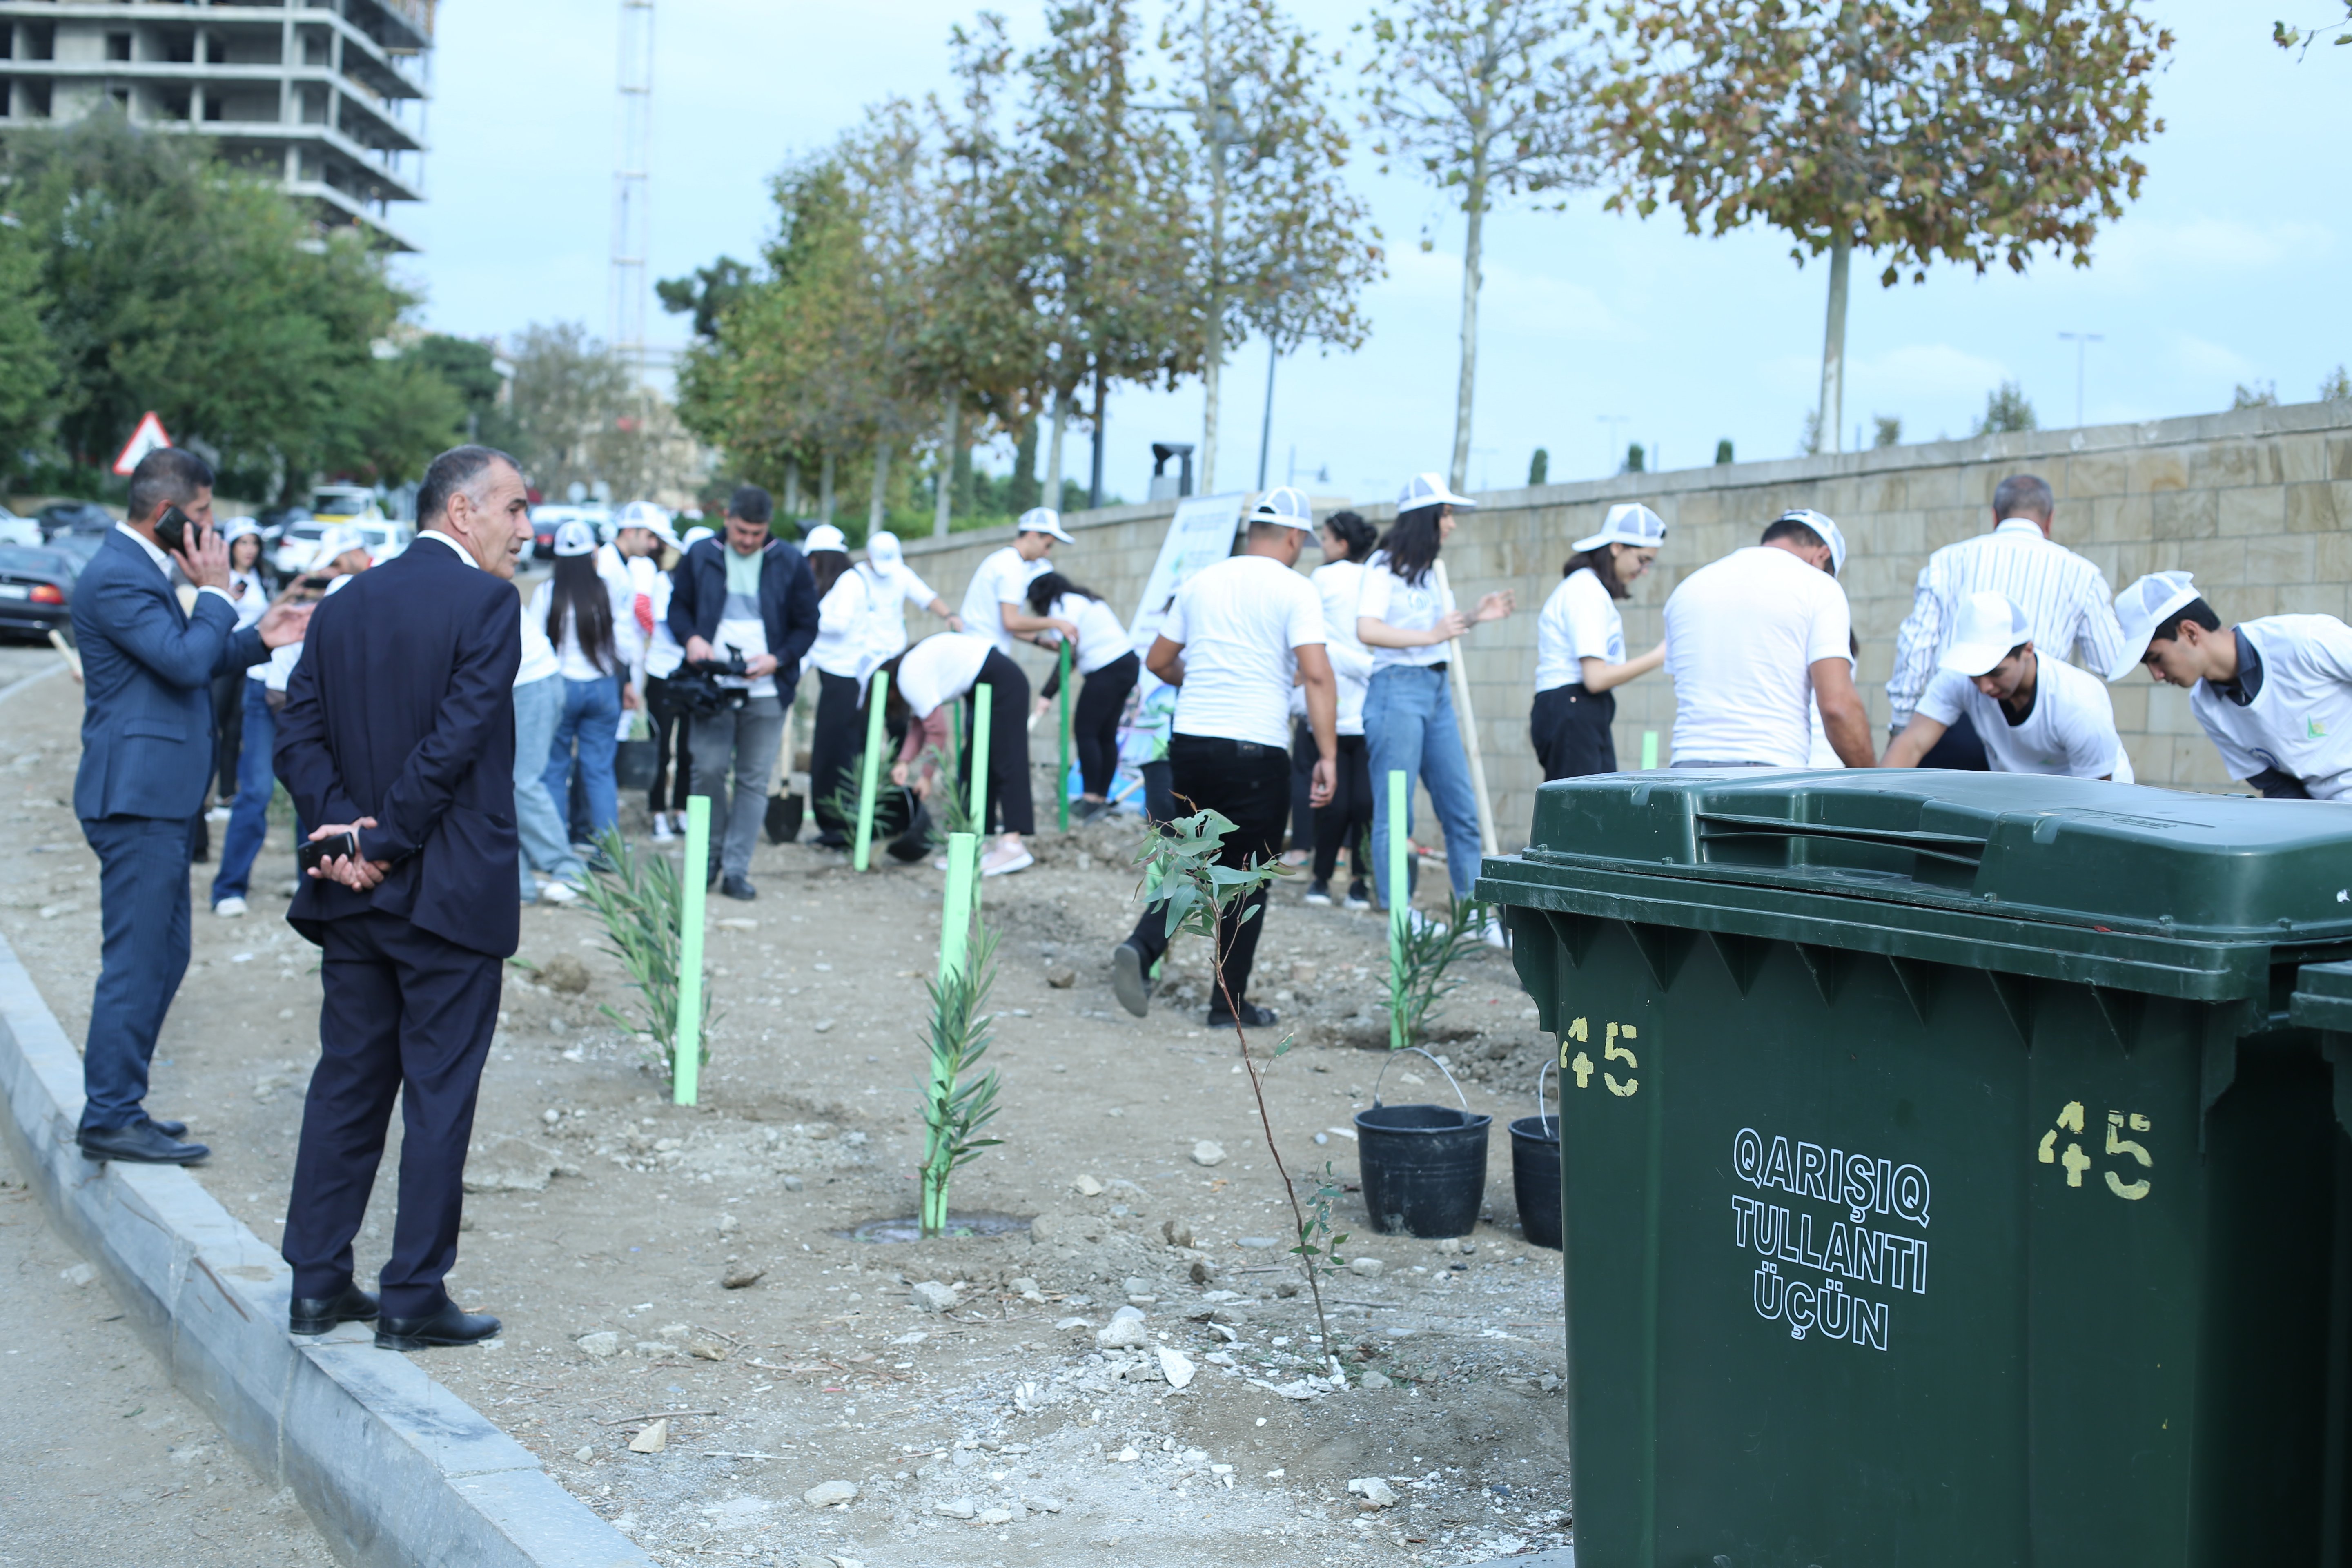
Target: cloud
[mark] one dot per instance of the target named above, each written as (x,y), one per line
(2142,251)
(2201,358)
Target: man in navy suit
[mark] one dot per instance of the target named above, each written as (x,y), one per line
(399,729)
(147,741)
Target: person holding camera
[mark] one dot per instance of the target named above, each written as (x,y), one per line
(753,595)
(147,746)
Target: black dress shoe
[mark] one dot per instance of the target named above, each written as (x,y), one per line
(739,888)
(1253,1017)
(144,1144)
(449,1326)
(168,1128)
(317,1314)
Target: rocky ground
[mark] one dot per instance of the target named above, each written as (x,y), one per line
(965,1401)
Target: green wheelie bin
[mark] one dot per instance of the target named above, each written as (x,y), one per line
(1950,1175)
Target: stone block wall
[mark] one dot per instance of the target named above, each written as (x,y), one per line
(2255,502)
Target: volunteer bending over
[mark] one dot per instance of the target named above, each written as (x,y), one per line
(2035,715)
(2275,695)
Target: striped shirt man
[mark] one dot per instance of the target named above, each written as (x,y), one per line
(2064,598)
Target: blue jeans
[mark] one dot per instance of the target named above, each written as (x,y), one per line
(590,720)
(248,819)
(1409,728)
(539,706)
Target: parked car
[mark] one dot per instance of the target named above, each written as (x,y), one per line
(385,540)
(81,546)
(73,517)
(294,551)
(275,520)
(345,504)
(37,587)
(14,530)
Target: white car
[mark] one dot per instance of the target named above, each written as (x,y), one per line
(14,530)
(300,544)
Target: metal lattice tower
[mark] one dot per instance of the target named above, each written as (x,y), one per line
(632,220)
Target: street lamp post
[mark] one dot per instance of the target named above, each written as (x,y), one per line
(2082,341)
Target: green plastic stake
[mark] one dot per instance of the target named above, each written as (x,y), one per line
(1062,774)
(1400,903)
(869,774)
(686,1066)
(955,905)
(983,698)
(1649,750)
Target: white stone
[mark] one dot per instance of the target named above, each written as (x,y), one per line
(932,1297)
(1373,1491)
(604,1342)
(1176,1367)
(77,1275)
(830,1494)
(583,1453)
(653,1439)
(962,1508)
(996,1516)
(1125,1456)
(1207,1153)
(1088,1187)
(1372,1379)
(1123,1333)
(1369,1268)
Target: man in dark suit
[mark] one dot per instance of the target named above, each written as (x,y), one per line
(147,741)
(399,729)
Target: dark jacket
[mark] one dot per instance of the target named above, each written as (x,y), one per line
(787,603)
(403,709)
(147,672)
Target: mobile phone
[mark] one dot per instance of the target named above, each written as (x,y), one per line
(173,529)
(313,852)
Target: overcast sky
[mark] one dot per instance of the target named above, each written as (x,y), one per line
(1596,329)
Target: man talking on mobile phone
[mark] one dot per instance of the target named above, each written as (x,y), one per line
(398,737)
(147,741)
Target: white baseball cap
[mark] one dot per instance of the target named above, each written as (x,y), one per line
(698,534)
(236,528)
(1043,520)
(1628,523)
(1428,489)
(2144,607)
(1991,625)
(883,548)
(337,541)
(1826,526)
(1284,505)
(825,536)
(574,537)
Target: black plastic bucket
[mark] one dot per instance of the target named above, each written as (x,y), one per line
(1423,1166)
(1535,1171)
(633,764)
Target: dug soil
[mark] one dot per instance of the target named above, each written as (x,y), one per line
(983,1420)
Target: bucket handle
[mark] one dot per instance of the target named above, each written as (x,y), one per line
(1549,1122)
(1440,1066)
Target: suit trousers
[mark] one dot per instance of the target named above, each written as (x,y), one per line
(1250,783)
(143,896)
(404,1014)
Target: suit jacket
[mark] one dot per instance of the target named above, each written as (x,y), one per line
(403,709)
(788,605)
(147,672)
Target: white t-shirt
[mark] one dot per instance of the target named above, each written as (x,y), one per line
(629,635)
(1742,636)
(740,625)
(539,660)
(842,643)
(1003,579)
(1340,583)
(941,669)
(887,589)
(1239,621)
(1101,638)
(1408,607)
(570,658)
(1822,755)
(279,668)
(1579,621)
(2071,730)
(2300,721)
(663,656)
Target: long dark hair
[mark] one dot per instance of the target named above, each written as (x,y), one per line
(828,566)
(1411,542)
(581,595)
(1357,535)
(1048,586)
(1603,561)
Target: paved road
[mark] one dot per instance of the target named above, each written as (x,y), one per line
(101,1459)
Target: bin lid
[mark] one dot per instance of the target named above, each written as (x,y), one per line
(2079,852)
(2323,997)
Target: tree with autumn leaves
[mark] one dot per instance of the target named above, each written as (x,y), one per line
(1914,130)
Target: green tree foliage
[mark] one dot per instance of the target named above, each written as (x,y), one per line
(1887,430)
(1723,451)
(1924,130)
(2336,386)
(2006,410)
(28,360)
(2288,36)
(2261,394)
(706,294)
(1490,97)
(1539,468)
(171,283)
(573,398)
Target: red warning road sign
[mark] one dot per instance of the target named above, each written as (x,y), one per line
(147,438)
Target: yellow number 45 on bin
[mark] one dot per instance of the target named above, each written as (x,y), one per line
(1581,1065)
(2071,1120)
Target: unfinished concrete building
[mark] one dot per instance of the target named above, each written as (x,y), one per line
(327,96)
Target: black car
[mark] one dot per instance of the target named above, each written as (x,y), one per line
(73,517)
(36,588)
(275,520)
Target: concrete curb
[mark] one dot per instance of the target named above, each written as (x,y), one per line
(392,1467)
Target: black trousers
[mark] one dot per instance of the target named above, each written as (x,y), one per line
(672,731)
(1569,726)
(229,727)
(1250,783)
(1347,819)
(1302,758)
(1094,728)
(1959,747)
(404,1014)
(833,746)
(1008,745)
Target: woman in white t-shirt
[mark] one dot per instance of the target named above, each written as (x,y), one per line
(1405,615)
(1106,658)
(925,682)
(582,608)
(840,655)
(1347,541)
(1580,644)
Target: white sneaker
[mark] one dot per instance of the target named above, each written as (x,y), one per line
(217,814)
(662,835)
(559,893)
(1002,861)
(1492,933)
(1421,925)
(230,908)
